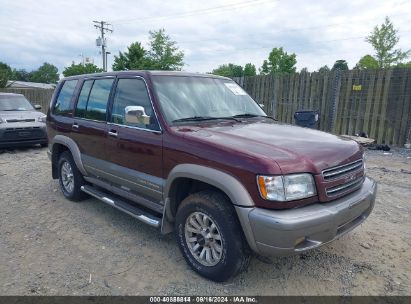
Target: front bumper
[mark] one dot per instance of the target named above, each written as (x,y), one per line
(283,232)
(23,134)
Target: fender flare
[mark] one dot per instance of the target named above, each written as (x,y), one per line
(72,146)
(227,183)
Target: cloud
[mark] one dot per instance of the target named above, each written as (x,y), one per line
(236,31)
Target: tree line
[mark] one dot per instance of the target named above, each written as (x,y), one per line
(163,54)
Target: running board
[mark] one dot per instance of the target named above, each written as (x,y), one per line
(135,212)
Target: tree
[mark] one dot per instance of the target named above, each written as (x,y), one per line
(384,39)
(340,65)
(304,70)
(163,53)
(47,73)
(135,58)
(229,70)
(249,70)
(5,73)
(279,62)
(78,69)
(324,69)
(404,65)
(20,75)
(367,62)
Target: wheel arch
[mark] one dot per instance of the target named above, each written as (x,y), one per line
(229,185)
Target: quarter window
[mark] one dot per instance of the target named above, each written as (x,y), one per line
(132,92)
(62,105)
(92,102)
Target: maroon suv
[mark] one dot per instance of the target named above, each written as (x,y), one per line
(195,154)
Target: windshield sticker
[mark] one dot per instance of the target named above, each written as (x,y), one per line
(237,90)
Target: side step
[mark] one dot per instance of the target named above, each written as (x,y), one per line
(135,212)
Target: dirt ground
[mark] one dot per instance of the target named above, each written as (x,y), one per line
(51,246)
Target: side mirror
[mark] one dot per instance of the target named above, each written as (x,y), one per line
(136,115)
(37,107)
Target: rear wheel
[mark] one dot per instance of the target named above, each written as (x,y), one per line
(70,178)
(210,236)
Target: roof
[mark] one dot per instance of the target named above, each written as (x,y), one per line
(148,73)
(27,84)
(9,94)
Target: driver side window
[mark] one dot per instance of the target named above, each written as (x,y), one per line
(132,92)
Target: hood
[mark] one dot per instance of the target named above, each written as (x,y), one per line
(294,149)
(20,115)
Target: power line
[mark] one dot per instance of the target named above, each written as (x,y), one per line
(103,27)
(194,12)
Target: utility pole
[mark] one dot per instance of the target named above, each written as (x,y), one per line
(103,27)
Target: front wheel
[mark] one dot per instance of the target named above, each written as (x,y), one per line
(210,236)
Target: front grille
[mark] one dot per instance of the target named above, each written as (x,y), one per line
(27,133)
(345,188)
(339,171)
(343,179)
(20,120)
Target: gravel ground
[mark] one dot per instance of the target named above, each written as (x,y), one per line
(51,246)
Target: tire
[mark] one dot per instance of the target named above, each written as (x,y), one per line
(67,171)
(205,209)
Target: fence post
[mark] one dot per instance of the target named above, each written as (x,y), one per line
(335,96)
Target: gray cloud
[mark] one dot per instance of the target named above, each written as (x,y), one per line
(318,32)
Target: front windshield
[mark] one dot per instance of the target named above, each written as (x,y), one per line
(183,97)
(14,103)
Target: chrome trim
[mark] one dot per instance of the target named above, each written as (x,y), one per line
(132,127)
(354,183)
(114,134)
(346,167)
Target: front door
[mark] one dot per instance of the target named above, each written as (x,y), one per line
(135,150)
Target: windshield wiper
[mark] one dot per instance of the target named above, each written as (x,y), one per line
(194,118)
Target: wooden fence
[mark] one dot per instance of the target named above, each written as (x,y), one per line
(36,96)
(377,102)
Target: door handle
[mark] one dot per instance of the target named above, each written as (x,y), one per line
(75,125)
(113,133)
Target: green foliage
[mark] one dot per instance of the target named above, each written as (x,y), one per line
(250,70)
(5,74)
(384,38)
(304,70)
(20,75)
(135,58)
(47,73)
(279,62)
(404,65)
(229,70)
(340,65)
(78,69)
(162,55)
(324,69)
(367,62)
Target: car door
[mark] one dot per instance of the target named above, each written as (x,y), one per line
(89,129)
(135,149)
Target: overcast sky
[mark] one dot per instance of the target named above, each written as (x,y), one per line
(209,32)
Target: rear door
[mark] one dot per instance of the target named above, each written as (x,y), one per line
(135,150)
(89,128)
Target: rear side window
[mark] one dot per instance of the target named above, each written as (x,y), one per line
(62,105)
(92,102)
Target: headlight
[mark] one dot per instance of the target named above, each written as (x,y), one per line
(286,187)
(42,118)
